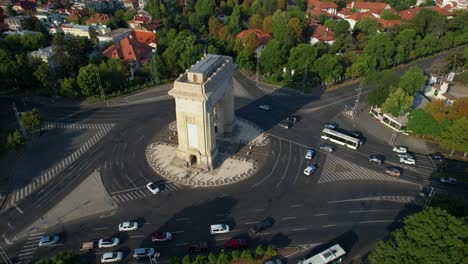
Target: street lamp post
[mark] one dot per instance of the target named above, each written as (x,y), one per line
(154,259)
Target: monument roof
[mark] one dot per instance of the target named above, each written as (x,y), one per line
(207,65)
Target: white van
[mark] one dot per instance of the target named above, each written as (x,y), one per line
(219,229)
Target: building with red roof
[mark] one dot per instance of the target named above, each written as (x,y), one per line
(362,7)
(144,23)
(22,6)
(344,13)
(388,23)
(328,7)
(354,18)
(98,19)
(262,38)
(322,34)
(145,37)
(409,13)
(129,50)
(453,4)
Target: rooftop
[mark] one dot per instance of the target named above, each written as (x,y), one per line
(116,32)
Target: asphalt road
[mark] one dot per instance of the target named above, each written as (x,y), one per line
(354,206)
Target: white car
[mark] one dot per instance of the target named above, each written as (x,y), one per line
(143,253)
(110,257)
(406,156)
(46,241)
(310,154)
(153,188)
(400,149)
(408,160)
(264,107)
(448,180)
(309,170)
(128,226)
(219,229)
(107,243)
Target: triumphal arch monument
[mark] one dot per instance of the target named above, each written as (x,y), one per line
(204,102)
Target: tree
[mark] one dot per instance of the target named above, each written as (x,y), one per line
(379,50)
(422,123)
(384,82)
(328,68)
(87,80)
(212,258)
(399,102)
(62,258)
(200,259)
(114,74)
(437,109)
(271,252)
(342,27)
(205,9)
(246,60)
(175,260)
(31,120)
(412,80)
(186,260)
(235,255)
(71,53)
(368,26)
(430,236)
(459,109)
(359,68)
(405,44)
(302,55)
(223,258)
(260,251)
(267,25)
(389,15)
(256,21)
(247,255)
(44,76)
(273,56)
(15,140)
(455,136)
(234,20)
(283,32)
(296,25)
(429,22)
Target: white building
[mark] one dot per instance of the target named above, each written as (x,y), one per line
(440,89)
(46,54)
(76,30)
(115,35)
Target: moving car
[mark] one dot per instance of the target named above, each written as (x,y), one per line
(310,154)
(448,180)
(143,253)
(293,118)
(264,107)
(161,236)
(235,243)
(332,126)
(355,134)
(377,159)
(219,229)
(284,125)
(107,243)
(327,148)
(436,156)
(128,226)
(46,241)
(400,149)
(110,257)
(406,155)
(197,247)
(309,170)
(262,225)
(393,171)
(153,188)
(408,160)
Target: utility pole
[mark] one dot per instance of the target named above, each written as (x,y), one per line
(20,122)
(396,133)
(98,77)
(4,256)
(257,67)
(358,97)
(156,77)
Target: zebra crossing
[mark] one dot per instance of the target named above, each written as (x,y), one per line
(52,125)
(142,192)
(337,169)
(47,175)
(26,254)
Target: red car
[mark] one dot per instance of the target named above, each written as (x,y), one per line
(235,243)
(161,236)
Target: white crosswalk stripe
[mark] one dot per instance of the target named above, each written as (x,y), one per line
(29,249)
(143,192)
(337,169)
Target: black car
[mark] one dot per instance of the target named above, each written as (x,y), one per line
(197,247)
(436,156)
(262,225)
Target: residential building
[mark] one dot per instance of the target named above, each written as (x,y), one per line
(356,17)
(328,7)
(131,4)
(453,4)
(373,7)
(388,23)
(98,19)
(145,37)
(76,30)
(443,89)
(46,54)
(114,36)
(22,6)
(262,38)
(48,19)
(344,13)
(15,23)
(322,34)
(130,51)
(143,21)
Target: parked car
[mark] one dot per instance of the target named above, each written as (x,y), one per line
(274,261)
(107,243)
(262,225)
(407,155)
(264,107)
(128,226)
(110,257)
(235,243)
(436,156)
(310,154)
(393,171)
(88,246)
(197,247)
(377,159)
(355,134)
(153,188)
(143,253)
(327,148)
(284,125)
(400,149)
(219,229)
(448,180)
(331,125)
(161,236)
(293,118)
(46,241)
(309,170)
(408,160)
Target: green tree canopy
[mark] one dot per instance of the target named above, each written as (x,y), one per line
(62,258)
(44,76)
(87,80)
(398,101)
(300,56)
(422,123)
(68,87)
(455,136)
(15,140)
(412,80)
(379,51)
(273,57)
(32,120)
(432,236)
(114,74)
(328,68)
(384,83)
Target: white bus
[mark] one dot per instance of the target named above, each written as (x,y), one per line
(333,255)
(340,138)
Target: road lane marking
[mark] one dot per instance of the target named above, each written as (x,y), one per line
(26,253)
(377,221)
(181,244)
(300,229)
(101,228)
(17,208)
(289,218)
(296,205)
(177,232)
(258,210)
(250,223)
(128,190)
(272,170)
(37,234)
(136,236)
(364,211)
(263,234)
(287,166)
(222,239)
(320,214)
(328,225)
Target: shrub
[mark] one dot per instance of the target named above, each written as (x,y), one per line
(186,260)
(260,251)
(175,260)
(200,259)
(271,252)
(223,258)
(212,258)
(235,255)
(247,255)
